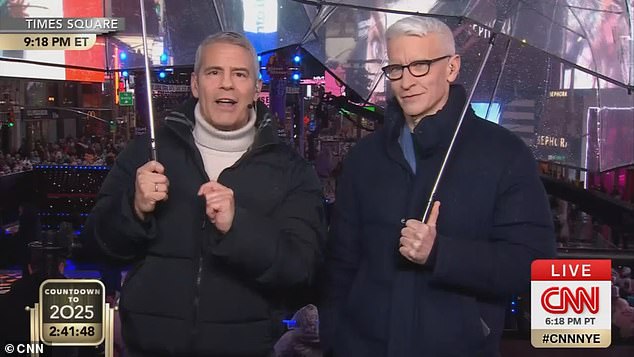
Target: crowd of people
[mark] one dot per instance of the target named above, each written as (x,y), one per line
(93,150)
(595,184)
(623,304)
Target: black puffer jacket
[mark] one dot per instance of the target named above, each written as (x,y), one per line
(196,292)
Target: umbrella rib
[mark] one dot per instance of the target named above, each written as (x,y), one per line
(594,60)
(553,21)
(630,19)
(215,6)
(616,12)
(313,29)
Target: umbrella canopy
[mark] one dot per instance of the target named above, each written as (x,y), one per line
(559,76)
(593,34)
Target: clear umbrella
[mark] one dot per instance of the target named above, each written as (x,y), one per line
(554,60)
(559,75)
(592,34)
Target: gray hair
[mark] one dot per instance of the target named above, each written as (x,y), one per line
(232,38)
(422,26)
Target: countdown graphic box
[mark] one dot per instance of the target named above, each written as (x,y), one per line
(72,312)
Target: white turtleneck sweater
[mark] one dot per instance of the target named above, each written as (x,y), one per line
(221,149)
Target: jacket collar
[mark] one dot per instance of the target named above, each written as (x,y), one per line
(183,121)
(266,132)
(433,132)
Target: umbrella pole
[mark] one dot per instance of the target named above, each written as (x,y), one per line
(499,78)
(432,195)
(149,84)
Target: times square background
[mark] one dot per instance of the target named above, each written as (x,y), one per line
(63,122)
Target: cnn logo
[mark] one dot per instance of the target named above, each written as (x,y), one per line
(558,300)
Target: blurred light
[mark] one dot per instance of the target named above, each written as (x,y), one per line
(297,58)
(124,73)
(260,16)
(164,58)
(512,311)
(481,109)
(69,265)
(123,56)
(259,58)
(162,75)
(295,76)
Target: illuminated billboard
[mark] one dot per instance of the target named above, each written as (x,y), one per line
(25,63)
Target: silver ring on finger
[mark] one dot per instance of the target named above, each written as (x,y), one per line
(156,187)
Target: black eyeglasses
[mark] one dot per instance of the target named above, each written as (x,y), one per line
(420,68)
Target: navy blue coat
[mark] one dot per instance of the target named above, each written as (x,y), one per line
(494,221)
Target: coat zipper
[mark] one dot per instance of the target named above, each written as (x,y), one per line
(199,270)
(199,274)
(200,260)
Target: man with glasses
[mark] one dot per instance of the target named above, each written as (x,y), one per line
(398,286)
